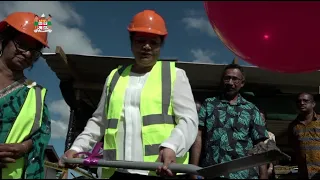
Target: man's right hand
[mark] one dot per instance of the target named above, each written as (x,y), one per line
(69,154)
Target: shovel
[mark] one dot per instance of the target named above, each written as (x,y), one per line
(207,172)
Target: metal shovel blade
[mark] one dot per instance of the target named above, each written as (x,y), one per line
(241,164)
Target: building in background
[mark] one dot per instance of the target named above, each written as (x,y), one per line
(51,156)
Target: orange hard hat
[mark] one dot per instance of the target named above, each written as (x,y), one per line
(24,23)
(148,21)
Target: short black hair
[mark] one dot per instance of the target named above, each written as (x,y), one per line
(310,95)
(234,66)
(6,35)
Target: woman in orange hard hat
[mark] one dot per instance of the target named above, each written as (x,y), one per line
(24,117)
(147,111)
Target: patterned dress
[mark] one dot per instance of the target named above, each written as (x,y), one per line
(230,131)
(11,101)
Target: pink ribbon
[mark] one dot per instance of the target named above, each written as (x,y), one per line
(93,157)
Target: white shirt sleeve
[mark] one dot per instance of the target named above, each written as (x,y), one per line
(95,128)
(184,134)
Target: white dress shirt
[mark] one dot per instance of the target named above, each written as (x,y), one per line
(129,140)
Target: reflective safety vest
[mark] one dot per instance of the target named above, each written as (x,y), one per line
(27,123)
(156,110)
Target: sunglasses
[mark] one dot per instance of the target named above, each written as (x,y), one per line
(23,47)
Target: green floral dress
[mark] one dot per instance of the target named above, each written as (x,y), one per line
(11,100)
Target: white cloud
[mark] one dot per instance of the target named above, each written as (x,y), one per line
(203,56)
(200,24)
(59,127)
(66,23)
(67,33)
(192,12)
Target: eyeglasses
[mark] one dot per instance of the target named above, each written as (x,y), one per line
(234,79)
(143,40)
(23,48)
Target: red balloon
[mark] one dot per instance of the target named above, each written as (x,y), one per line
(279,36)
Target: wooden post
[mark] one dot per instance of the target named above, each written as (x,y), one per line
(235,60)
(64,175)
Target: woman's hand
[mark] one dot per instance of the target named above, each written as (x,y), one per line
(167,156)
(13,151)
(69,155)
(10,152)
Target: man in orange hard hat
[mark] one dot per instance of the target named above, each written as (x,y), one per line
(25,122)
(151,115)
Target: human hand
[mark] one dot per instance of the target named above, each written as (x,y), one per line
(270,169)
(4,161)
(196,177)
(69,154)
(167,156)
(12,151)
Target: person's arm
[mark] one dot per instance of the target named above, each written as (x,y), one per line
(291,137)
(196,149)
(40,141)
(184,107)
(95,128)
(271,165)
(270,169)
(197,145)
(258,130)
(263,172)
(259,134)
(293,142)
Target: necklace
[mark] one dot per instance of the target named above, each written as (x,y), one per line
(15,85)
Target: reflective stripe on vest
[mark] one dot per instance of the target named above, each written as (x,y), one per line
(155,107)
(27,123)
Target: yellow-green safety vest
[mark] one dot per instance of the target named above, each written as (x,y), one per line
(28,122)
(156,110)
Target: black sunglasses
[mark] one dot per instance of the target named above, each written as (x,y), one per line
(36,53)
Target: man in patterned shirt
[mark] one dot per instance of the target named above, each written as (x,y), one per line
(229,126)
(304,137)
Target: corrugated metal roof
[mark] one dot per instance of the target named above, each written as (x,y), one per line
(96,69)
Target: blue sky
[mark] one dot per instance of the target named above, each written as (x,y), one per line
(100,28)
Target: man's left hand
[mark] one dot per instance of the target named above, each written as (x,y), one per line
(167,156)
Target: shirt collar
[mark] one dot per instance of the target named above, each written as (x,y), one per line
(240,100)
(315,117)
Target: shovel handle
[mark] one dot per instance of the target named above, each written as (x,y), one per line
(151,166)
